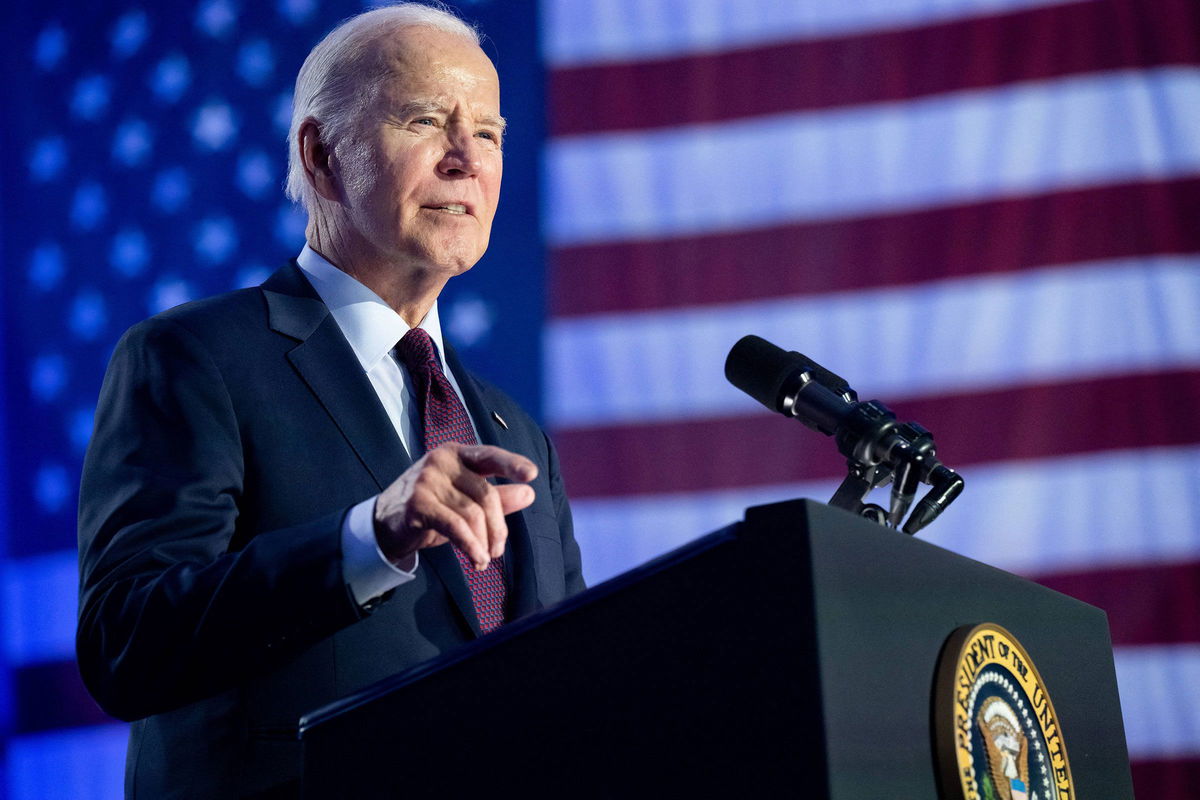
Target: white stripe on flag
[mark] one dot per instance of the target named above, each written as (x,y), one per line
(1116,508)
(953,148)
(576,33)
(1160,700)
(971,333)
(619,534)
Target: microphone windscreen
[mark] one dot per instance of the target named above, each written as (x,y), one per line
(760,369)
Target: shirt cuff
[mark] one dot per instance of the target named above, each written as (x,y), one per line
(365,569)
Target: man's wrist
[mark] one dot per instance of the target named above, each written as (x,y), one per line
(366,570)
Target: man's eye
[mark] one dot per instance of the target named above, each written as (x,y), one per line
(424,121)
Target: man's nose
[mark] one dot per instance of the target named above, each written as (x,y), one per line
(463,157)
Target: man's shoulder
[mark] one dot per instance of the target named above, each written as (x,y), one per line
(247,304)
(225,317)
(231,317)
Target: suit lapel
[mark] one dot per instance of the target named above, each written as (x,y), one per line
(441,560)
(518,566)
(326,362)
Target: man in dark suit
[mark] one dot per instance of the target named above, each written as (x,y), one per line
(267,519)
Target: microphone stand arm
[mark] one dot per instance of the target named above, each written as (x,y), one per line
(860,480)
(878,450)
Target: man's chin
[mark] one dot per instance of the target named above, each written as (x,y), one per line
(456,258)
(448,264)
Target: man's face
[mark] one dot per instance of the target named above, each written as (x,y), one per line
(422,177)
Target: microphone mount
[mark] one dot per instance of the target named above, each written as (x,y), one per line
(878,448)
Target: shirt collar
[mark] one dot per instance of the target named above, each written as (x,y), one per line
(371,326)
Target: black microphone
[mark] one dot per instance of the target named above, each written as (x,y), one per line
(867,433)
(790,383)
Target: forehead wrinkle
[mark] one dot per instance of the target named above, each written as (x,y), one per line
(410,61)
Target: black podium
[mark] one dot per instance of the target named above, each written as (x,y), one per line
(792,654)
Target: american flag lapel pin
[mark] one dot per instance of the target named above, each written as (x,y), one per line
(496,416)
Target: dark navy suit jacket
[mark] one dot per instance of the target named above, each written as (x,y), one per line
(231,437)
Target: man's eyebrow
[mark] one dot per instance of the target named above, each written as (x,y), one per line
(495,122)
(415,108)
(418,107)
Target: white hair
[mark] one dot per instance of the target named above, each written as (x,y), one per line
(342,75)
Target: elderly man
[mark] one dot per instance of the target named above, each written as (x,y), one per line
(296,490)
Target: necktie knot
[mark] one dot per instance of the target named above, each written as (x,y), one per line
(416,350)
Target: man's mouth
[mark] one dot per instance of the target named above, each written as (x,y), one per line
(450,208)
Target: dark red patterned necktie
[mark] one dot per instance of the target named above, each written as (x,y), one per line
(445,420)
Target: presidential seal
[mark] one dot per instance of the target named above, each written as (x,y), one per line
(998,737)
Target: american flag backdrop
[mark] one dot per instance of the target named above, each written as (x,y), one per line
(986,213)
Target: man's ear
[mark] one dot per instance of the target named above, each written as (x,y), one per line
(315,157)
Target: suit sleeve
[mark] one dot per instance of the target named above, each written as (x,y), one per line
(572,561)
(171,611)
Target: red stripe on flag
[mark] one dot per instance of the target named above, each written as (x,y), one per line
(1147,604)
(1175,779)
(1024,422)
(1114,221)
(887,66)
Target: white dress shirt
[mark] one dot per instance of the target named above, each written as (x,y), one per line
(373,329)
